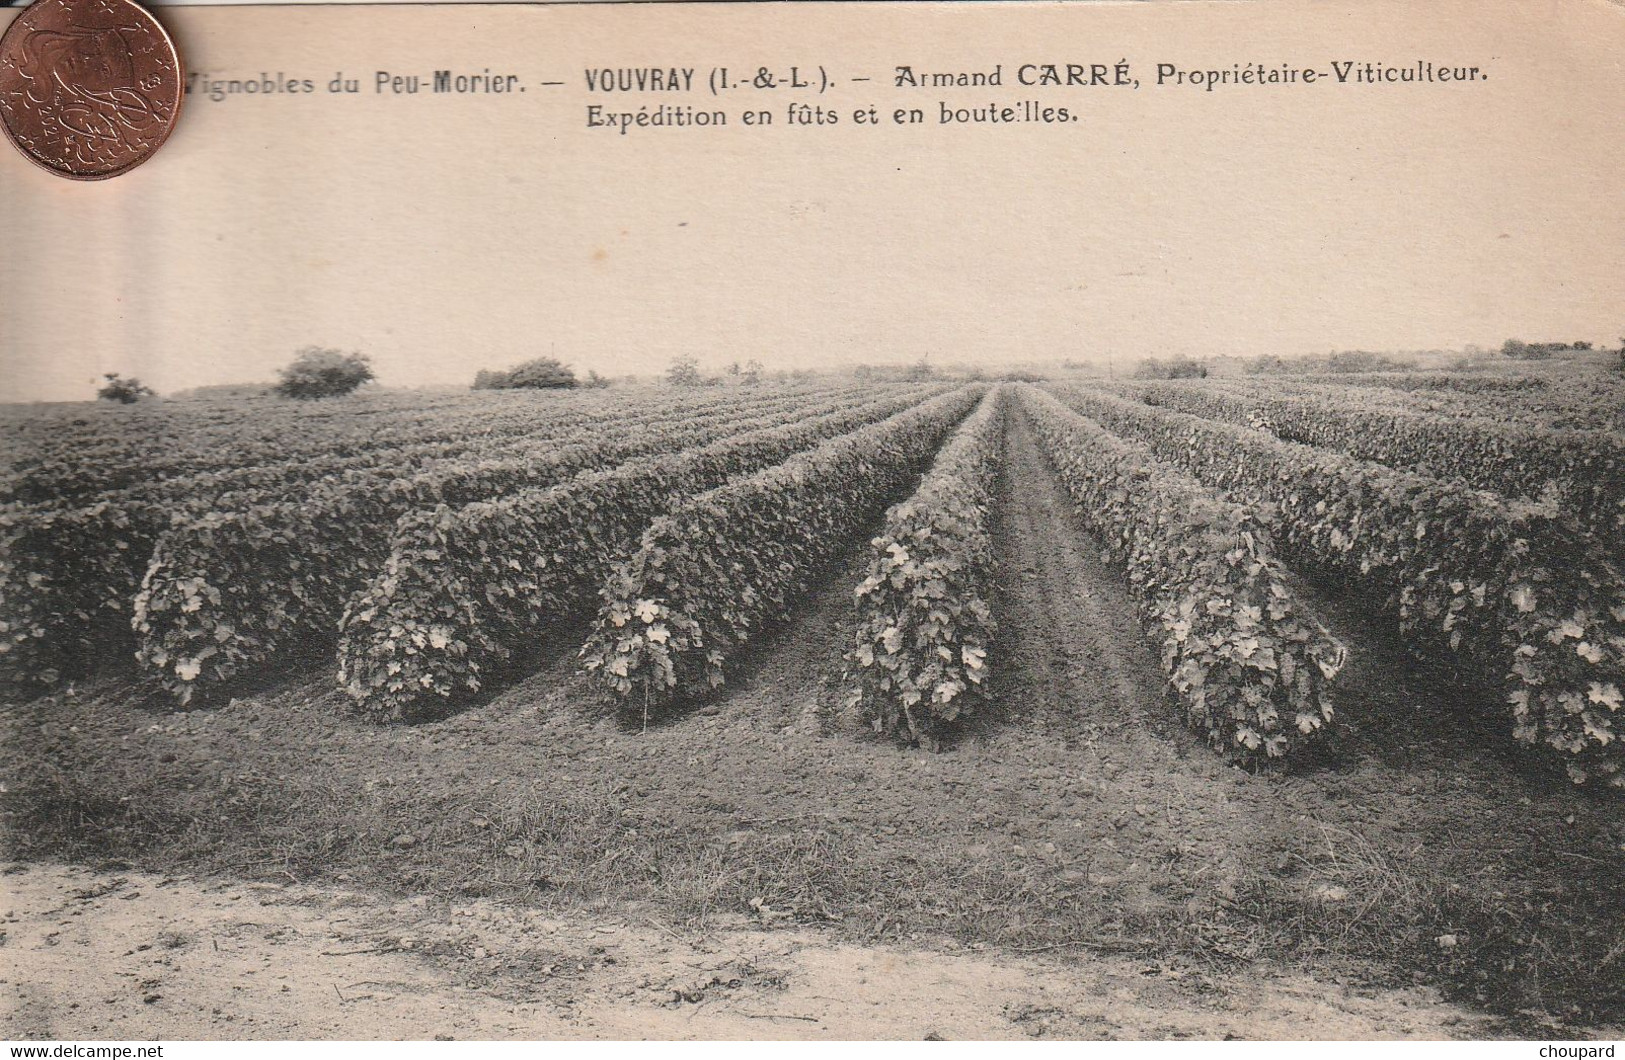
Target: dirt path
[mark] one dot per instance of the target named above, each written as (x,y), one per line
(1073,657)
(141,957)
(1075,664)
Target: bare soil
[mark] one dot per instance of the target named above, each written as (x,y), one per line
(1076,864)
(140,957)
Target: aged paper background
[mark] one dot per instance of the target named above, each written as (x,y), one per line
(445,232)
(439,233)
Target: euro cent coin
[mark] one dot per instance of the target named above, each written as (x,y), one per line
(89,89)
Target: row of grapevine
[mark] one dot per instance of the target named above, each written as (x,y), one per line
(53,458)
(925,625)
(1581,472)
(1252,666)
(464,588)
(1462,572)
(1481,408)
(1463,383)
(1562,408)
(230,592)
(1593,403)
(724,565)
(278,455)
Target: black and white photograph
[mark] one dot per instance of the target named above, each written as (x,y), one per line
(809,521)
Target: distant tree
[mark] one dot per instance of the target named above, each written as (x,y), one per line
(1519,350)
(752,373)
(595,381)
(1580,345)
(124,391)
(1176,367)
(540,373)
(684,371)
(317,373)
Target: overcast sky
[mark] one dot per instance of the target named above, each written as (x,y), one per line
(441,235)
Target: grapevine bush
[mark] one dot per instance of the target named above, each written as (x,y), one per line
(924,623)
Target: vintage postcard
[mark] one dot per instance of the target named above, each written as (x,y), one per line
(907,521)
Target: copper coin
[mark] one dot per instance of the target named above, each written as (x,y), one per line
(89,89)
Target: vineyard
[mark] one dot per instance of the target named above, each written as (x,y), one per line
(1248,598)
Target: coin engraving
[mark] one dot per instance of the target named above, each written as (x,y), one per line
(88,88)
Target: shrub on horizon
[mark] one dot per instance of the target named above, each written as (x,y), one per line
(318,373)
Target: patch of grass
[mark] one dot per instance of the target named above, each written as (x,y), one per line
(53,811)
(305,801)
(545,850)
(1543,958)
